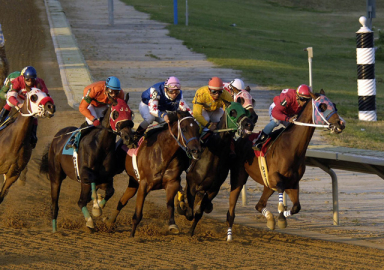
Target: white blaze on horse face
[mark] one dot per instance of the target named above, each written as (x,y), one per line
(191,125)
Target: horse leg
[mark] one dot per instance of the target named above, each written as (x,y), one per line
(23,177)
(128,194)
(294,196)
(261,206)
(171,190)
(82,203)
(138,215)
(190,203)
(109,191)
(203,200)
(238,180)
(9,179)
(89,178)
(56,180)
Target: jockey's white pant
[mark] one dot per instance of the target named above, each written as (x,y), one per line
(147,116)
(274,122)
(97,112)
(213,116)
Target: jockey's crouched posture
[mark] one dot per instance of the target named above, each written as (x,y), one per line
(97,97)
(284,109)
(16,95)
(157,100)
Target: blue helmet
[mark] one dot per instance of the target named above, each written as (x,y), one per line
(29,72)
(113,83)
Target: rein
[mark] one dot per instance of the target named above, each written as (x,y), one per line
(180,133)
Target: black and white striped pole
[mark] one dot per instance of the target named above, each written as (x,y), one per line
(366,83)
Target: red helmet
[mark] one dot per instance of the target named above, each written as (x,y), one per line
(304,91)
(215,83)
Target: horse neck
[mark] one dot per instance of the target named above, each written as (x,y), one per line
(300,136)
(105,135)
(22,124)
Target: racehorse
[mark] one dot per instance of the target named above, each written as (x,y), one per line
(96,163)
(15,138)
(285,159)
(161,159)
(209,173)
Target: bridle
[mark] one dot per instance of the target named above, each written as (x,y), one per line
(319,117)
(34,108)
(184,142)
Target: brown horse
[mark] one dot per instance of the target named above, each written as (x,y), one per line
(209,173)
(161,159)
(285,159)
(96,164)
(15,139)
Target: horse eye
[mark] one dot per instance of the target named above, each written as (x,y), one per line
(322,107)
(34,98)
(115,115)
(233,113)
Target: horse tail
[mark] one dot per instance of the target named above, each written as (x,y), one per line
(44,164)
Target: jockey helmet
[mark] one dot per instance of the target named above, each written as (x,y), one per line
(29,72)
(238,84)
(172,83)
(304,91)
(113,83)
(215,83)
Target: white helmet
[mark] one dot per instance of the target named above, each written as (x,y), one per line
(238,84)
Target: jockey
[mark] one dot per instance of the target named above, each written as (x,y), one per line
(157,100)
(284,109)
(8,84)
(240,94)
(20,86)
(208,103)
(97,97)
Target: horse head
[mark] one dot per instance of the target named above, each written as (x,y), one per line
(237,118)
(120,120)
(39,104)
(188,132)
(324,112)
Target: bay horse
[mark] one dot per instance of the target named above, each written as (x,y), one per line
(161,159)
(209,173)
(97,162)
(285,159)
(15,138)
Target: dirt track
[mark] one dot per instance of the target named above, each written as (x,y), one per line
(25,225)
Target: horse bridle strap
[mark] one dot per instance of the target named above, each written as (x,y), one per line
(180,133)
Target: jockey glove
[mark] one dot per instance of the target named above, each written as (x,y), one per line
(96,122)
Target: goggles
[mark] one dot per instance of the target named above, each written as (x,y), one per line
(302,98)
(174,91)
(216,92)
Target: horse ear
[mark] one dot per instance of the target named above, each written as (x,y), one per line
(322,92)
(227,104)
(126,97)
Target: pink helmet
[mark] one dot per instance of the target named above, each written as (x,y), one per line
(304,91)
(172,83)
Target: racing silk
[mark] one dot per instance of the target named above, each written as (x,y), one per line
(246,96)
(19,89)
(286,105)
(204,101)
(8,84)
(158,102)
(95,95)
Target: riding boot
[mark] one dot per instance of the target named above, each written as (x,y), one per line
(260,141)
(71,142)
(138,134)
(3,115)
(34,136)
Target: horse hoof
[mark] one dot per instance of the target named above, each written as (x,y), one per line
(108,222)
(90,223)
(208,209)
(181,211)
(271,224)
(282,223)
(229,238)
(174,229)
(96,212)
